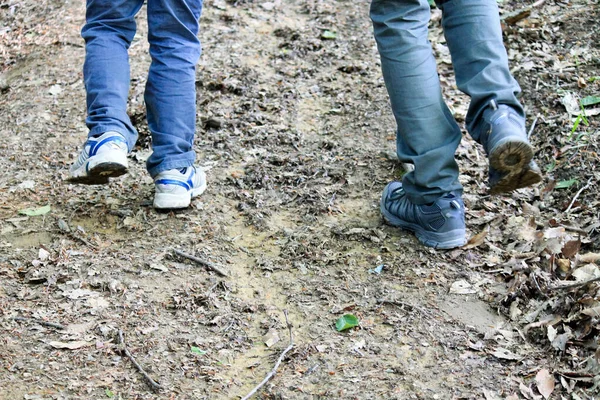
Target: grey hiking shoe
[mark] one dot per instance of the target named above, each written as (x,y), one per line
(440,225)
(509,152)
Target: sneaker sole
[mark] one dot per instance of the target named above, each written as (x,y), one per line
(512,158)
(168,201)
(99,174)
(430,239)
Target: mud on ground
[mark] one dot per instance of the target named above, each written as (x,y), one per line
(297,137)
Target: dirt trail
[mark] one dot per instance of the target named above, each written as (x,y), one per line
(295,132)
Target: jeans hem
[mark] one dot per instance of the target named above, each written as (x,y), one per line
(172,164)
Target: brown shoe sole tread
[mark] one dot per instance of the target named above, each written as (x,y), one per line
(513,160)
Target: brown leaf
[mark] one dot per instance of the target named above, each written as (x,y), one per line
(571,248)
(545,383)
(477,239)
(70,345)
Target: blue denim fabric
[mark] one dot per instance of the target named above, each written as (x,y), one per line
(428,135)
(170,93)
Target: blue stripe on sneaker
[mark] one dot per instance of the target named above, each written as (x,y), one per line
(186,185)
(95,146)
(190,180)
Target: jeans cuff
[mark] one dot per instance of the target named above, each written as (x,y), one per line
(183,162)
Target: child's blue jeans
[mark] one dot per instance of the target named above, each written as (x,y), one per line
(427,134)
(170,93)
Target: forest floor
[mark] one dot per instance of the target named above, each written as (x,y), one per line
(297,138)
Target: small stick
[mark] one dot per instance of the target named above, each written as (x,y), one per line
(41,322)
(532,127)
(274,370)
(574,285)
(587,185)
(200,261)
(155,386)
(575,229)
(399,303)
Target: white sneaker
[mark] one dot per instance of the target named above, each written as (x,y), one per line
(102,157)
(176,188)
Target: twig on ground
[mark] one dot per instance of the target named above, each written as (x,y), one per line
(532,127)
(274,370)
(41,322)
(587,185)
(575,229)
(399,303)
(155,385)
(522,13)
(200,261)
(577,284)
(83,240)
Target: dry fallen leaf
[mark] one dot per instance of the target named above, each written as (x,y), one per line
(43,254)
(462,287)
(589,257)
(70,345)
(592,311)
(271,337)
(505,354)
(545,383)
(587,272)
(526,391)
(571,248)
(552,332)
(557,232)
(477,239)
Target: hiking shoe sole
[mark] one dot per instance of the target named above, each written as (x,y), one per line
(505,183)
(512,161)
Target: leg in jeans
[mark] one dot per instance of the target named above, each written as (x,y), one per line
(474,37)
(495,118)
(108,32)
(427,133)
(171,91)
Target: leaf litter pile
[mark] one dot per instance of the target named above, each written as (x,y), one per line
(102,297)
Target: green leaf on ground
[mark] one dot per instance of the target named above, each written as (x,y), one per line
(109,393)
(34,212)
(590,100)
(566,184)
(197,350)
(346,321)
(329,35)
